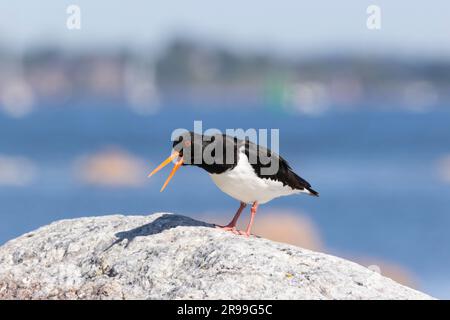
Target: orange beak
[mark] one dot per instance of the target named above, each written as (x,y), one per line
(165,163)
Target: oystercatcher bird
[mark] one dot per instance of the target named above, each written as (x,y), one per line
(244,170)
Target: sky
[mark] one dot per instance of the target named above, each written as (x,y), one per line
(410,27)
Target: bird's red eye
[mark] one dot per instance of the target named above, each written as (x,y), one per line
(187,143)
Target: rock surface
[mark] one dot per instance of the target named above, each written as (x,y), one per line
(166,256)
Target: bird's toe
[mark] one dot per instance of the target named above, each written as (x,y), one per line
(226,228)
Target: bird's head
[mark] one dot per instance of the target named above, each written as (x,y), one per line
(188,150)
(189,146)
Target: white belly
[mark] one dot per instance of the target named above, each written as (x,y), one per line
(243,184)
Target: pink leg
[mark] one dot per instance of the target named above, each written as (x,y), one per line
(232,225)
(252,218)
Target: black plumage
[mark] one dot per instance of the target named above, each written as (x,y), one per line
(227,159)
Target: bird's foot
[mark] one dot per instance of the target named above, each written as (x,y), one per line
(228,227)
(233,229)
(241,233)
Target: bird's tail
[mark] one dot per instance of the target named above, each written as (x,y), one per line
(312,192)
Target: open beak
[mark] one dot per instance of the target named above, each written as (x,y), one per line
(165,163)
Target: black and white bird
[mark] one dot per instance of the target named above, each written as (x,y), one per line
(244,170)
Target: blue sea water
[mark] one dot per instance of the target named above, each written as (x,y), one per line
(376,171)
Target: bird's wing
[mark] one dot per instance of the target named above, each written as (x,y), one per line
(266,158)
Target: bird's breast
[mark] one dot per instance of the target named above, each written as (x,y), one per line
(242,183)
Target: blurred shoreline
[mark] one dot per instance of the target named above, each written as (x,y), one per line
(199,74)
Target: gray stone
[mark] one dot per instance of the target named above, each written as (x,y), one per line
(166,256)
